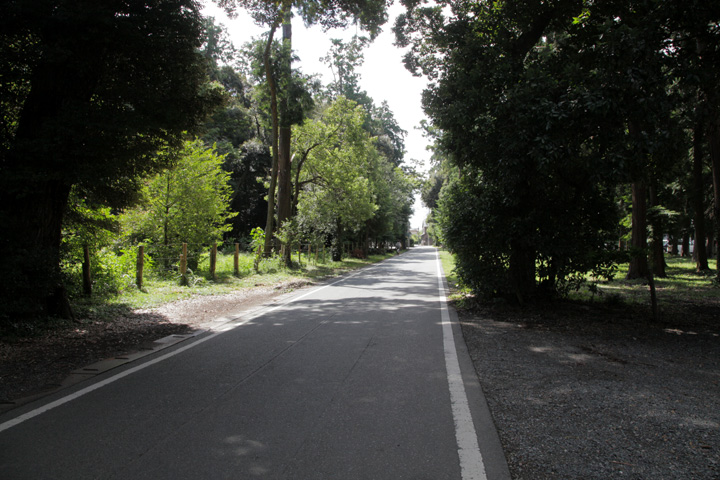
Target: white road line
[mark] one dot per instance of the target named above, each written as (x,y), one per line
(471,461)
(95,386)
(61,401)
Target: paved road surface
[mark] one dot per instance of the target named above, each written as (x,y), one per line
(357,379)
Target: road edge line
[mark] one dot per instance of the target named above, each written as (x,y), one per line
(471,460)
(213,333)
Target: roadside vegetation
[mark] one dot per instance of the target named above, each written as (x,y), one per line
(685,297)
(570,138)
(179,146)
(160,288)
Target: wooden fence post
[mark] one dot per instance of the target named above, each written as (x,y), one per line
(183,265)
(236,262)
(213,261)
(140,267)
(87,281)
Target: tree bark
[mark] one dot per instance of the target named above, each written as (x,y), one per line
(685,247)
(715,161)
(710,245)
(284,159)
(32,206)
(657,253)
(700,253)
(638,246)
(337,242)
(32,224)
(270,77)
(522,271)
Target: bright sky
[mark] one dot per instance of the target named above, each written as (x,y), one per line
(383,75)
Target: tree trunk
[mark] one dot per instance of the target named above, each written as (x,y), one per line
(638,261)
(522,271)
(685,248)
(32,217)
(710,245)
(87,279)
(700,253)
(715,161)
(657,253)
(32,206)
(270,78)
(284,186)
(284,159)
(337,243)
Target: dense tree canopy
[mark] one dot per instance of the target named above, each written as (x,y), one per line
(334,193)
(369,15)
(545,109)
(127,110)
(91,90)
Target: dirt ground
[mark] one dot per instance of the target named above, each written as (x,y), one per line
(577,392)
(599,393)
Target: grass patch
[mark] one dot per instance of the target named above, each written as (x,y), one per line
(684,296)
(682,285)
(158,290)
(457,294)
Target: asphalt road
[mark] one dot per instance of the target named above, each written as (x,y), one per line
(363,378)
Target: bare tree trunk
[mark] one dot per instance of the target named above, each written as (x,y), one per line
(270,78)
(657,254)
(685,249)
(715,161)
(700,253)
(284,164)
(638,261)
(710,245)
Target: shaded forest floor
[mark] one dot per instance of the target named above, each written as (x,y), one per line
(596,390)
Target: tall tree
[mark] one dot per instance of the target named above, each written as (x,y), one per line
(335,193)
(369,15)
(239,130)
(545,107)
(497,70)
(694,54)
(91,91)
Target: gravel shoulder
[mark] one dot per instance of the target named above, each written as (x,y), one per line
(597,394)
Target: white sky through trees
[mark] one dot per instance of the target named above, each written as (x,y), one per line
(383,75)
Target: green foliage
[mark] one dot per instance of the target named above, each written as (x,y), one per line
(258,243)
(186,204)
(368,14)
(337,193)
(543,109)
(90,92)
(430,190)
(344,59)
(112,266)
